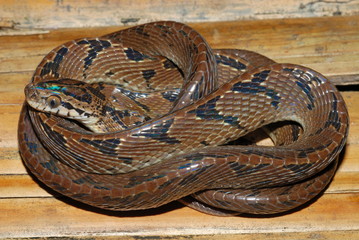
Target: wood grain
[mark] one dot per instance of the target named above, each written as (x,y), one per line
(328,45)
(28,209)
(70,13)
(52,217)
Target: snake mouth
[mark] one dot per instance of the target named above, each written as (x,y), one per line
(32,96)
(31,92)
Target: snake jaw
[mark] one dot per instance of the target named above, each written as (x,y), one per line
(33,97)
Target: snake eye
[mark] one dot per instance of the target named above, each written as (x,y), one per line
(53,101)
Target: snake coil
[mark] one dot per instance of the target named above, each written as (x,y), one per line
(207,98)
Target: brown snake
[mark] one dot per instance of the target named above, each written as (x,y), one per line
(209,98)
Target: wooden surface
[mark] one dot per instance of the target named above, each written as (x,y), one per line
(73,13)
(329,45)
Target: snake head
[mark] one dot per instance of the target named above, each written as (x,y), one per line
(86,103)
(65,98)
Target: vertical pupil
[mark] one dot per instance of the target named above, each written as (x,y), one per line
(53,103)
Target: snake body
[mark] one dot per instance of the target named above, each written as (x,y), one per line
(179,148)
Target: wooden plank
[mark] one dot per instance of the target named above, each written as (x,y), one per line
(328,45)
(9,115)
(49,217)
(71,13)
(333,235)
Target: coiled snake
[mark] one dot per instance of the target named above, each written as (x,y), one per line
(187,104)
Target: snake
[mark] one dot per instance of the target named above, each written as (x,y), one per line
(151,114)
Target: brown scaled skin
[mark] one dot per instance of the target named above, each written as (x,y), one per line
(225,94)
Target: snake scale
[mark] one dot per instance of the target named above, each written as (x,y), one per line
(190,105)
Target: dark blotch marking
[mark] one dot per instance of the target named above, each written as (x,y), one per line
(306,89)
(319,131)
(261,76)
(53,66)
(67,105)
(208,111)
(79,159)
(204,143)
(60,140)
(80,112)
(94,91)
(126,160)
(96,46)
(102,187)
(164,29)
(123,113)
(140,30)
(85,179)
(230,62)
(183,33)
(51,166)
(303,84)
(57,137)
(82,42)
(107,146)
(302,154)
(159,132)
(31,145)
(109,73)
(135,55)
(254,87)
(148,74)
(333,118)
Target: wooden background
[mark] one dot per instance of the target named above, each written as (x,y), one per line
(328,43)
(72,13)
